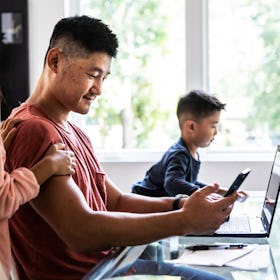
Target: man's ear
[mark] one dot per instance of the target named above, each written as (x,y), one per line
(53,58)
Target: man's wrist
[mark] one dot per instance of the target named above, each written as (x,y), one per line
(177,199)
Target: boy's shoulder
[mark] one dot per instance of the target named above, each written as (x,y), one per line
(178,148)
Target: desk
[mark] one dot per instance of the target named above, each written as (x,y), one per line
(226,272)
(173,247)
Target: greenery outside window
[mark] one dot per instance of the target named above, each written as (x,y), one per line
(167,48)
(147,77)
(244,70)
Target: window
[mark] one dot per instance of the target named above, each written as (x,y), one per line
(230,48)
(244,70)
(138,106)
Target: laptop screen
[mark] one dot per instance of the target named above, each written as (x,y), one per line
(274,238)
(272,192)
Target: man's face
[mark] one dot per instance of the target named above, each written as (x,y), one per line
(80,80)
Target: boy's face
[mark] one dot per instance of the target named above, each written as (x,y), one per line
(206,129)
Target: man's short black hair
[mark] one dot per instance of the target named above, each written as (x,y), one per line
(198,104)
(83,35)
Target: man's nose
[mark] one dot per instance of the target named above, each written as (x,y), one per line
(97,87)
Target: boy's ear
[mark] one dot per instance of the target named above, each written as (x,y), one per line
(189,125)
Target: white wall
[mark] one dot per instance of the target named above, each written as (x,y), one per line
(43,15)
(124,174)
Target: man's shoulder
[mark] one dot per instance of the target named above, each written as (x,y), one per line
(32,120)
(34,135)
(36,122)
(23,112)
(37,128)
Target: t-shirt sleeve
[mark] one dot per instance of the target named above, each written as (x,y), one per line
(16,187)
(32,140)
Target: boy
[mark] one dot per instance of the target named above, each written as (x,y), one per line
(176,173)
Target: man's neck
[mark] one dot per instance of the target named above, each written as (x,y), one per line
(50,109)
(44,100)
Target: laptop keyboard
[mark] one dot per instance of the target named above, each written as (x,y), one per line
(236,224)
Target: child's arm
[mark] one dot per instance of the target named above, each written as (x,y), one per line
(22,184)
(56,162)
(7,131)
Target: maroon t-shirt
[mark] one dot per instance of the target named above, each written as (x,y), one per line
(39,252)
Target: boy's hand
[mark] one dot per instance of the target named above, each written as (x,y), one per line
(7,131)
(64,161)
(242,195)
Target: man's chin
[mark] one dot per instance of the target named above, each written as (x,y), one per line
(82,112)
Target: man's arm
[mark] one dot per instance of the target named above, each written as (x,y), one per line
(129,202)
(63,206)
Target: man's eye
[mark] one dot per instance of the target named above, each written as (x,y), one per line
(92,75)
(96,76)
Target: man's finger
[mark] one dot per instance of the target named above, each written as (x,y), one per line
(225,202)
(209,189)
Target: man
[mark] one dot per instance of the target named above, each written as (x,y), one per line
(75,221)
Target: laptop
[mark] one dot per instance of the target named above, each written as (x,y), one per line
(246,226)
(274,239)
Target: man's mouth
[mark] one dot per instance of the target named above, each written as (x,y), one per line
(90,97)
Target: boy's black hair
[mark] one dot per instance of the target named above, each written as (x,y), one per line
(198,104)
(83,35)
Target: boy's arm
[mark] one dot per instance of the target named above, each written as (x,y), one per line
(200,184)
(178,168)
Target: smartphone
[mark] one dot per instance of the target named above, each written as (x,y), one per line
(238,181)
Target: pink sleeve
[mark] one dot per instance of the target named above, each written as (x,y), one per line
(16,188)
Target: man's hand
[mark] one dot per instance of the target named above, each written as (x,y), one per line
(203,214)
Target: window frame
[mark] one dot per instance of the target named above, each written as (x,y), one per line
(196,44)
